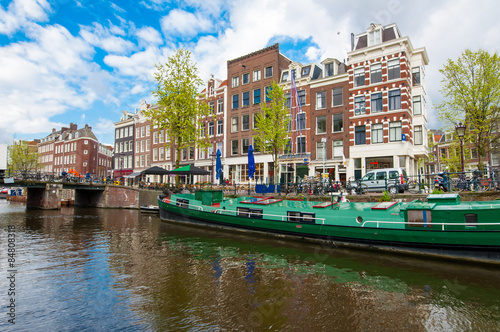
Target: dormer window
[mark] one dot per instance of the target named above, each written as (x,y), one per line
(305,71)
(374,37)
(284,78)
(329,69)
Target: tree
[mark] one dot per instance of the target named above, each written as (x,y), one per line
(272,126)
(179,110)
(23,157)
(471,87)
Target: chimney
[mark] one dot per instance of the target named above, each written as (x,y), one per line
(53,130)
(352,41)
(73,126)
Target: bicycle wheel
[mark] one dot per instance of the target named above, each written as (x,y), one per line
(363,188)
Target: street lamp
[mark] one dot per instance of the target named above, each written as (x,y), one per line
(213,155)
(461,133)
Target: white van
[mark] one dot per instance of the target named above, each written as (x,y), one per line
(393,180)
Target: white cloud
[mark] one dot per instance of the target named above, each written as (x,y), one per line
(148,36)
(184,23)
(103,38)
(21,12)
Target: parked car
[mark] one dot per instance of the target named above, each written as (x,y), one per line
(393,180)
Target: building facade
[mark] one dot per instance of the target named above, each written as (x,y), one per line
(387,113)
(123,161)
(74,149)
(248,78)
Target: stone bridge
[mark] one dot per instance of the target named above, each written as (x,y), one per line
(47,195)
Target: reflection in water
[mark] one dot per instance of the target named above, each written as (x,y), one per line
(103,269)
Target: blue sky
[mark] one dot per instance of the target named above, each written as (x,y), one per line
(65,61)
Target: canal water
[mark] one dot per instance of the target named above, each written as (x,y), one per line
(109,269)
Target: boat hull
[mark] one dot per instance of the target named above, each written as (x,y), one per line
(451,244)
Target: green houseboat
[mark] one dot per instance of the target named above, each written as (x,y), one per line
(442,226)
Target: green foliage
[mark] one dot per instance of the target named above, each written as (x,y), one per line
(179,110)
(385,197)
(23,157)
(437,192)
(271,133)
(471,88)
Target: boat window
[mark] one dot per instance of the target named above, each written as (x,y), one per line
(256,213)
(293,216)
(249,213)
(243,212)
(303,217)
(308,218)
(471,220)
(183,202)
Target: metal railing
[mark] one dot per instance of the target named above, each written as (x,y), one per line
(429,224)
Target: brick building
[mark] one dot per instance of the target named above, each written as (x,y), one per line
(123,163)
(248,77)
(387,113)
(73,148)
(215,125)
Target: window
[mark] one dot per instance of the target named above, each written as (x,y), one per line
(148,130)
(220,127)
(302,97)
(321,125)
(337,97)
(377,133)
(117,133)
(85,142)
(155,137)
(338,149)
(245,78)
(305,71)
(161,153)
(211,106)
(395,131)
(374,37)
(359,105)
(143,131)
(418,135)
(359,76)
(211,128)
(245,122)
(236,81)
(376,73)
(320,150)
(236,101)
(320,100)
(148,145)
(220,105)
(301,121)
(245,143)
(256,96)
(284,76)
(268,72)
(417,105)
(246,99)
(234,147)
(338,122)
(329,69)
(288,99)
(234,124)
(85,151)
(143,145)
(301,144)
(155,154)
(376,104)
(394,100)
(393,69)
(255,120)
(415,71)
(137,132)
(219,146)
(191,152)
(267,89)
(359,135)
(256,75)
